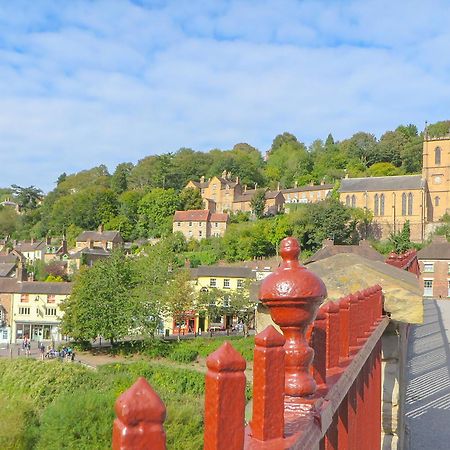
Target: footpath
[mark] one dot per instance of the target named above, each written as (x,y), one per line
(427,408)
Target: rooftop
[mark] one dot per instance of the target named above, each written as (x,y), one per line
(392,183)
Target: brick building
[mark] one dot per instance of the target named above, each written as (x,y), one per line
(200,223)
(434,262)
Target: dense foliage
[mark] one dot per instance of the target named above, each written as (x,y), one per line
(139,199)
(56,406)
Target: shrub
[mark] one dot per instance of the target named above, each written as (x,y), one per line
(81,346)
(184,355)
(81,420)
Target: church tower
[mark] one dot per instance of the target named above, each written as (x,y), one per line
(436,171)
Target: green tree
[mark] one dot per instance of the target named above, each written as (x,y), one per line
(258,203)
(9,221)
(156,209)
(102,302)
(401,241)
(119,179)
(27,197)
(178,297)
(190,199)
(383,169)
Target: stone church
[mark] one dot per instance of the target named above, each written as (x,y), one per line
(421,199)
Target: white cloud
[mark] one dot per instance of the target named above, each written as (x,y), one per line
(85,83)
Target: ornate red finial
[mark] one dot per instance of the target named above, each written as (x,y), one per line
(140,416)
(293,294)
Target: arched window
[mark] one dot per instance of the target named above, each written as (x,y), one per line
(347,200)
(410,204)
(382,205)
(353,201)
(436,201)
(403,204)
(437,156)
(376,205)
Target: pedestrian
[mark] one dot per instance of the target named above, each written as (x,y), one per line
(42,350)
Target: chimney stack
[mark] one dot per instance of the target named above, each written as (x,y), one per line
(202,179)
(100,228)
(296,184)
(245,188)
(48,240)
(278,186)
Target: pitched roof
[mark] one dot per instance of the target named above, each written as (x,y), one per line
(24,246)
(225,271)
(191,215)
(219,217)
(438,249)
(393,183)
(329,249)
(12,286)
(9,258)
(6,269)
(318,187)
(200,184)
(247,195)
(109,236)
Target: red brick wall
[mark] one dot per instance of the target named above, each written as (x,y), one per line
(440,277)
(5,301)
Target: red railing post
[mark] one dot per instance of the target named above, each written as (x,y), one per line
(140,417)
(319,345)
(225,400)
(293,294)
(333,334)
(344,320)
(268,385)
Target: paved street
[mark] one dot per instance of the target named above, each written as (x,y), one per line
(428,391)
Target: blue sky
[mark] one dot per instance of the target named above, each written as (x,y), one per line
(90,82)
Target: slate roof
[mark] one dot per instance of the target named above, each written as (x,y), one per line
(438,249)
(12,286)
(247,195)
(9,258)
(224,271)
(403,182)
(192,215)
(109,236)
(90,251)
(30,246)
(364,250)
(318,187)
(6,269)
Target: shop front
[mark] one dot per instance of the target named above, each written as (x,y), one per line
(37,331)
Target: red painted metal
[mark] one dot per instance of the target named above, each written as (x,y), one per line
(333,334)
(224,400)
(140,417)
(319,343)
(344,320)
(268,386)
(293,294)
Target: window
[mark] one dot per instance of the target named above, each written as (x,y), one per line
(226,301)
(318,195)
(437,156)
(50,311)
(199,233)
(448,267)
(199,224)
(24,298)
(436,201)
(347,200)
(216,224)
(428,267)
(109,245)
(24,310)
(190,224)
(226,283)
(51,298)
(382,205)
(376,205)
(353,201)
(448,288)
(428,288)
(213,282)
(410,204)
(403,204)
(179,224)
(214,187)
(240,284)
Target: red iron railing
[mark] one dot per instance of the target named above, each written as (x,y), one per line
(316,386)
